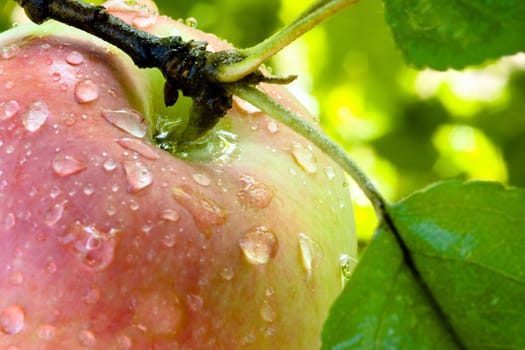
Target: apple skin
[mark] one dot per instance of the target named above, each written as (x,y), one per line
(108,242)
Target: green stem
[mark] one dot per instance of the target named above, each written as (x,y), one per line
(258,54)
(317,137)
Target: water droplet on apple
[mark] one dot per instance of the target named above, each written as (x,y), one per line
(139,147)
(9,51)
(109,165)
(191,22)
(169,239)
(267,313)
(9,221)
(8,109)
(87,338)
(347,263)
(111,210)
(170,215)
(86,91)
(194,302)
(16,278)
(269,291)
(244,106)
(56,76)
(51,267)
(64,165)
(124,342)
(89,189)
(127,120)
(55,192)
(311,253)
(12,320)
(259,245)
(304,157)
(95,249)
(143,20)
(134,205)
(46,332)
(74,58)
(227,273)
(254,193)
(201,179)
(272,126)
(54,213)
(138,175)
(330,172)
(92,296)
(204,210)
(35,116)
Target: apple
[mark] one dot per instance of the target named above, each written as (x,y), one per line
(110,241)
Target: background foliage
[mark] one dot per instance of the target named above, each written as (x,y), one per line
(405,127)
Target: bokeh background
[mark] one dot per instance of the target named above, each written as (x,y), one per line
(406,128)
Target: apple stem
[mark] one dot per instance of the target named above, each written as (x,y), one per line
(256,55)
(317,137)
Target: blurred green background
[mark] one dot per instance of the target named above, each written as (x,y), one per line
(406,128)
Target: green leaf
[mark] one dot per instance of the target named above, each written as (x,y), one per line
(465,278)
(456,33)
(383,306)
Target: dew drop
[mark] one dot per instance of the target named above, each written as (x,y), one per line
(51,267)
(169,240)
(12,320)
(64,165)
(9,51)
(267,313)
(87,338)
(127,120)
(16,278)
(170,215)
(111,210)
(227,273)
(204,210)
(191,22)
(143,20)
(55,192)
(124,342)
(9,221)
(134,205)
(86,91)
(311,253)
(272,126)
(54,213)
(35,116)
(74,58)
(138,146)
(201,179)
(304,157)
(109,165)
(254,193)
(245,107)
(194,302)
(330,172)
(56,76)
(89,189)
(347,263)
(259,245)
(8,109)
(94,248)
(46,332)
(138,175)
(92,296)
